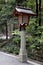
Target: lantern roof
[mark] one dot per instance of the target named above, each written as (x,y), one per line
(23,10)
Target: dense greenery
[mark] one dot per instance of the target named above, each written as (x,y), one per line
(36,46)
(34,38)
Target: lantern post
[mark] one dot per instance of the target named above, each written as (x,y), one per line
(23,15)
(23,53)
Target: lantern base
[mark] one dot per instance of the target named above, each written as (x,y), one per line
(23,55)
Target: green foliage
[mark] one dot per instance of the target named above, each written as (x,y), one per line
(1,1)
(17,39)
(35,47)
(11,1)
(12,46)
(30,4)
(7,1)
(28,40)
(16,51)
(19,2)
(6,13)
(34,29)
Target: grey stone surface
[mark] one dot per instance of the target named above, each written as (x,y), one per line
(10,60)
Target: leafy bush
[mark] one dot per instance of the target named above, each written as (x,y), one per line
(16,50)
(16,40)
(35,48)
(12,46)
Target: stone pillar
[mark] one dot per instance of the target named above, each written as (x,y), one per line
(23,53)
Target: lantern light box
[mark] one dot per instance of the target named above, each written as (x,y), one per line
(23,14)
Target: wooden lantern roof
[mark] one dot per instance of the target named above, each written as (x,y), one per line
(23,11)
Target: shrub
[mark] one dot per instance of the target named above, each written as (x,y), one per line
(16,50)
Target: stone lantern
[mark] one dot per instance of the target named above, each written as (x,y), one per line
(23,15)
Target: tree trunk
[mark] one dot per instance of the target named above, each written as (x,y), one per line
(6,31)
(37,8)
(39,12)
